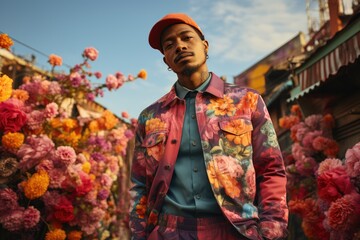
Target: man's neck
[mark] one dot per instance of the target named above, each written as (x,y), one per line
(194,80)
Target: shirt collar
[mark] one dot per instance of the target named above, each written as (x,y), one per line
(181,91)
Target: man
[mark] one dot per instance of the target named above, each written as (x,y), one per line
(207,164)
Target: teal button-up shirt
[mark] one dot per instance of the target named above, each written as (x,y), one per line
(190,194)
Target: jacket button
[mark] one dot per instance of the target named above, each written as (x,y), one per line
(173,141)
(167,167)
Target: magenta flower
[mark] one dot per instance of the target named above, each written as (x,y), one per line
(35,149)
(31,217)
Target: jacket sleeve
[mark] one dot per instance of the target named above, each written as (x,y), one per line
(270,175)
(138,192)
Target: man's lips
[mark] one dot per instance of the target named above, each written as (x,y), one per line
(182,55)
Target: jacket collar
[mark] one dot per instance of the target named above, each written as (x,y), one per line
(216,88)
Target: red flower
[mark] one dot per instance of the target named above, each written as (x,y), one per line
(344,213)
(64,210)
(334,184)
(85,186)
(12,116)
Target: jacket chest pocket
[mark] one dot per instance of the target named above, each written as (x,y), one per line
(236,131)
(155,145)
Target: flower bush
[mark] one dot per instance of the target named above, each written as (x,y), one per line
(58,172)
(323,189)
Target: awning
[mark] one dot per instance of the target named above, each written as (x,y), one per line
(345,53)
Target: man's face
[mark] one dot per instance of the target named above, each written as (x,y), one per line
(184,51)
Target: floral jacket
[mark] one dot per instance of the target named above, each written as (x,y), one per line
(242,158)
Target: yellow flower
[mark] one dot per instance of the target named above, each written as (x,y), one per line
(5,87)
(36,185)
(12,140)
(222,106)
(86,167)
(142,74)
(74,235)
(22,95)
(55,60)
(56,234)
(5,41)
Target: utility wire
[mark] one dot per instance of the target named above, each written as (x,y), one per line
(34,49)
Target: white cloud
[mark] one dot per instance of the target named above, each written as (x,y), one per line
(246,31)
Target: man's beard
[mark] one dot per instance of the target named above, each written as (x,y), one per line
(189,70)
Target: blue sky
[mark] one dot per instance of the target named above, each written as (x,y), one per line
(240,33)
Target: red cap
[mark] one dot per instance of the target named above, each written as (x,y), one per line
(166,21)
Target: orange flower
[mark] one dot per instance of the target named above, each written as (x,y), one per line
(239,132)
(222,106)
(248,102)
(142,74)
(12,140)
(110,120)
(5,88)
(141,207)
(56,234)
(74,235)
(5,41)
(55,60)
(22,95)
(36,185)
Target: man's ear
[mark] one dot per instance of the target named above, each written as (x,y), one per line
(165,61)
(206,44)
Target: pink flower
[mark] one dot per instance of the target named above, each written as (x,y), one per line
(309,138)
(306,166)
(12,115)
(352,162)
(35,119)
(8,201)
(14,220)
(313,121)
(334,184)
(131,77)
(54,88)
(328,164)
(125,115)
(119,75)
(34,150)
(91,53)
(111,82)
(75,79)
(98,75)
(31,217)
(65,156)
(51,110)
(344,213)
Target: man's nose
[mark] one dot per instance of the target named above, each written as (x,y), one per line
(180,45)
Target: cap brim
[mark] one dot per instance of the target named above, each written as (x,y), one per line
(157,29)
